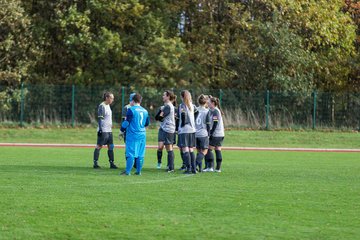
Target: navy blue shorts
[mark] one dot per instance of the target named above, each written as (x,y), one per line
(186,140)
(216,141)
(106,138)
(165,137)
(202,143)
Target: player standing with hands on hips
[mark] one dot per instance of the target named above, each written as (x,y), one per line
(137,119)
(104,131)
(166,134)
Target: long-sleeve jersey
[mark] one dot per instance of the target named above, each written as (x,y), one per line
(137,119)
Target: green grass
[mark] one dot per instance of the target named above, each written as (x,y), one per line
(312,139)
(55,194)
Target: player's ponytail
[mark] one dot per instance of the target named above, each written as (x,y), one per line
(216,102)
(185,94)
(202,99)
(172,97)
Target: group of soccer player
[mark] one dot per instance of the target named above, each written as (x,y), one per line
(199,127)
(196,126)
(134,125)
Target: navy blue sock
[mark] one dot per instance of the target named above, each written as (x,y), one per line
(199,158)
(111,156)
(210,157)
(96,155)
(218,159)
(182,158)
(171,160)
(159,155)
(186,156)
(192,157)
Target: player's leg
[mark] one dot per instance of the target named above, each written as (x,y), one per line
(191,144)
(168,142)
(96,156)
(209,158)
(160,153)
(186,158)
(202,145)
(218,159)
(110,144)
(101,140)
(141,148)
(181,145)
(130,156)
(218,154)
(170,157)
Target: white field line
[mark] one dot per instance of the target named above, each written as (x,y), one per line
(59,145)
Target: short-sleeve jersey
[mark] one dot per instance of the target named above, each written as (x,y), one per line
(105,114)
(139,120)
(203,117)
(215,115)
(168,123)
(189,125)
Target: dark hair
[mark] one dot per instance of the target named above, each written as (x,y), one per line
(216,102)
(137,98)
(202,99)
(174,100)
(172,96)
(106,95)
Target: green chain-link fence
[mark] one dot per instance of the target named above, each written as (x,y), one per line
(75,105)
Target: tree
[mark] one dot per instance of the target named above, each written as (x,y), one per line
(16,51)
(106,42)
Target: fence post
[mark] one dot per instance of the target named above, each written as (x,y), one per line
(73,106)
(267,108)
(314,110)
(122,102)
(22,105)
(220,96)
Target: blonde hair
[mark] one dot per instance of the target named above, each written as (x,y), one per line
(185,94)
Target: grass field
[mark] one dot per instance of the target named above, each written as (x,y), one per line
(53,193)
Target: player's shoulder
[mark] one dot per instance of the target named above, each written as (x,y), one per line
(102,105)
(205,110)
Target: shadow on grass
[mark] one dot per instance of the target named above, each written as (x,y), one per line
(81,170)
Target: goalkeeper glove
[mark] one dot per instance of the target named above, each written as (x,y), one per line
(121,135)
(99,133)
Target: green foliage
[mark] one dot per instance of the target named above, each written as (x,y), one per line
(274,59)
(327,32)
(279,45)
(16,52)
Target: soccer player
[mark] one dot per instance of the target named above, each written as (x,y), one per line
(104,131)
(186,131)
(202,126)
(217,135)
(166,134)
(137,119)
(123,116)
